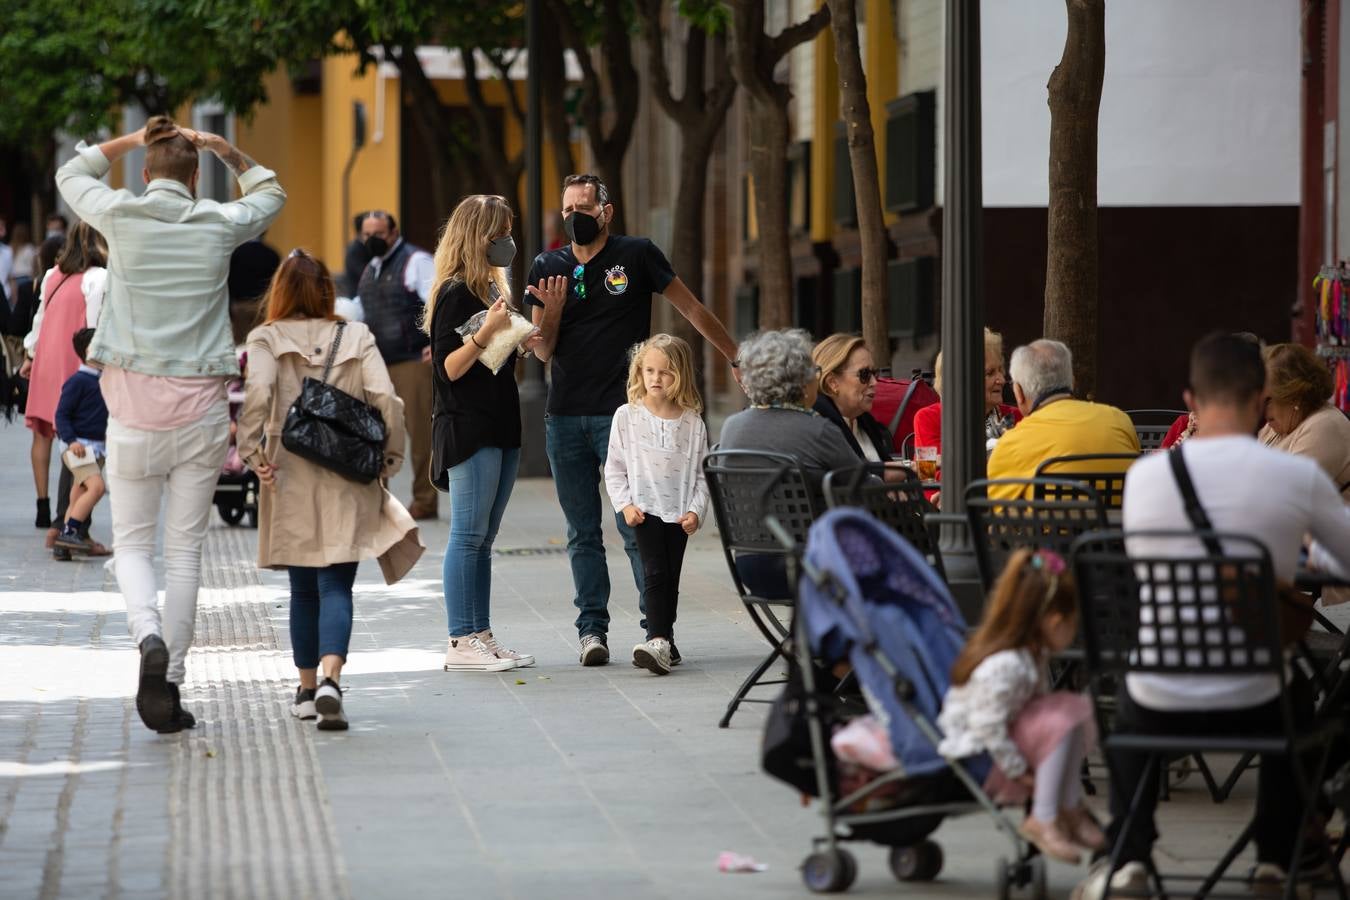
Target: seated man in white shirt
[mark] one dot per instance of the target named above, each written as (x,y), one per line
(1246,488)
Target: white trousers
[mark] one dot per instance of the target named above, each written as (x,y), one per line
(141,466)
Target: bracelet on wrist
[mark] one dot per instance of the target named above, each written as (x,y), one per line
(474,338)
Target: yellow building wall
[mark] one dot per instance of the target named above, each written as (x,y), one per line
(284,135)
(882,56)
(375,177)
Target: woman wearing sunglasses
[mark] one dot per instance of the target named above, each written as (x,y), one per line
(848,385)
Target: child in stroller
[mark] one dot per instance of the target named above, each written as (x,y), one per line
(868,599)
(236,487)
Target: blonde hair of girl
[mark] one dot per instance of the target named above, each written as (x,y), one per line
(461,253)
(685,391)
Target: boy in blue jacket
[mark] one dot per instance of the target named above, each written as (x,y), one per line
(82,423)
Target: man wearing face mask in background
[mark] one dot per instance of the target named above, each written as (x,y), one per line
(393,291)
(592,301)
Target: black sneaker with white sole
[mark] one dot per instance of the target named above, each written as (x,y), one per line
(328,704)
(303,705)
(154,700)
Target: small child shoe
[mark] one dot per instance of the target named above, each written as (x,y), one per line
(1082,828)
(1049,840)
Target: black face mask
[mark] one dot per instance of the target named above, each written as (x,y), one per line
(376,246)
(581,229)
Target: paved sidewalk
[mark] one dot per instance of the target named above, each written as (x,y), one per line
(550,782)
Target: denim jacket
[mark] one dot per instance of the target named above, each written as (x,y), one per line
(166,309)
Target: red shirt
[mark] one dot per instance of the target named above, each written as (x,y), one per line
(928,423)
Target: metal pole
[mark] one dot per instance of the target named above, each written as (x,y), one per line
(963,454)
(533,393)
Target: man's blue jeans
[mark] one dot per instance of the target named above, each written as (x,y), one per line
(577,446)
(321,612)
(479,490)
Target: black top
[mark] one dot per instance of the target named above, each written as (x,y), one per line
(590,361)
(478,410)
(875,431)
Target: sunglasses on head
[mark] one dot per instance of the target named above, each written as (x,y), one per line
(579,281)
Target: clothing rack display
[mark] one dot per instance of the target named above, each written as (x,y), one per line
(1332,290)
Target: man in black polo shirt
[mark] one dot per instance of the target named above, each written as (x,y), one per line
(592,301)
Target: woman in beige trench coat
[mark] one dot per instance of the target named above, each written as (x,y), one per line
(313,522)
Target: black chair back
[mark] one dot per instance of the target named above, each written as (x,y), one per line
(1023,516)
(900,505)
(907,446)
(1103,472)
(1180,611)
(1152,425)
(748,485)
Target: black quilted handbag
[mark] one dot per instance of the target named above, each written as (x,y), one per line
(333,429)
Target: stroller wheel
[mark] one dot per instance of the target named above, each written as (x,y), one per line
(829,871)
(918,862)
(1037,866)
(231,514)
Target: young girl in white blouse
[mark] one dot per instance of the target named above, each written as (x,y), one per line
(654,475)
(1000,703)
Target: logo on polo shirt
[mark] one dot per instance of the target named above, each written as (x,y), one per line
(616,280)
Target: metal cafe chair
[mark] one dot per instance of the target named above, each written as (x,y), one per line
(745,488)
(1205,611)
(1103,472)
(1152,425)
(901,505)
(1029,517)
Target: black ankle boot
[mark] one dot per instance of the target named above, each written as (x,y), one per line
(44,513)
(182,719)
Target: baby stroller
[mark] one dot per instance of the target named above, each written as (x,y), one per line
(867,598)
(236,487)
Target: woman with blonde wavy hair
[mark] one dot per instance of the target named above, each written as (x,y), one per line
(475,432)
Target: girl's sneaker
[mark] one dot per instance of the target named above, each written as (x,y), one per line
(328,704)
(653,655)
(1049,840)
(522,660)
(470,654)
(1081,827)
(303,706)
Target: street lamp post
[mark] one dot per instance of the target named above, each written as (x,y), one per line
(533,393)
(963,453)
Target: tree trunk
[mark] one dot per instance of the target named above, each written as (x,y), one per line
(768,167)
(553,88)
(1075,93)
(862,158)
(755,55)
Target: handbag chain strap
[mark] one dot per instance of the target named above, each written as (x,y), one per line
(332,351)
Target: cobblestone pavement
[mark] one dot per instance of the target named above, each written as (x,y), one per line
(553,781)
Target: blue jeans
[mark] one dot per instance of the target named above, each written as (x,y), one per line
(321,612)
(479,489)
(577,447)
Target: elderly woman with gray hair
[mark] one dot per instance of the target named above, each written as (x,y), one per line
(781,380)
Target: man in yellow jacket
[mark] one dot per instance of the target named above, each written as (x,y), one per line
(1054,423)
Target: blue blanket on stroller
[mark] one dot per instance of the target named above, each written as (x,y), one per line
(893,603)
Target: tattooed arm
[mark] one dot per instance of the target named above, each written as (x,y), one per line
(263,196)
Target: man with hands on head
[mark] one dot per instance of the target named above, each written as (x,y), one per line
(166,349)
(591,299)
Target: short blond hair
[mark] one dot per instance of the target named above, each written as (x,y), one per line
(831,355)
(681,356)
(993,346)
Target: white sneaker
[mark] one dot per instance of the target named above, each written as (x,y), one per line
(328,704)
(522,660)
(653,655)
(594,651)
(469,654)
(1130,878)
(303,705)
